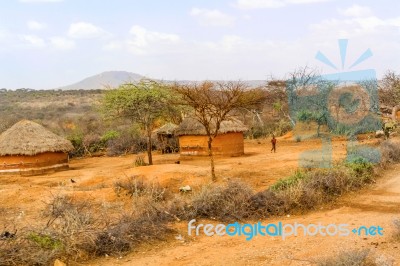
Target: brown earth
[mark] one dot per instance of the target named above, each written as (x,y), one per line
(23,198)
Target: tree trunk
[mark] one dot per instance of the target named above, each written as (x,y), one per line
(149,147)
(394,112)
(210,154)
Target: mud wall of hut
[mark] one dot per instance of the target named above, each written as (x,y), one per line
(36,163)
(229,144)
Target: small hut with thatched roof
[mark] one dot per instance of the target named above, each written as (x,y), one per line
(167,141)
(28,148)
(193,138)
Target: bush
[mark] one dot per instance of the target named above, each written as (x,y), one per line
(73,239)
(45,241)
(266,203)
(139,161)
(225,203)
(305,190)
(24,249)
(363,154)
(396,233)
(110,135)
(285,183)
(135,186)
(349,258)
(390,151)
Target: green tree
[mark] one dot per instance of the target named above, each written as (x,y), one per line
(145,103)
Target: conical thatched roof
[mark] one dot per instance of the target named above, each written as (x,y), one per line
(191,126)
(168,128)
(29,138)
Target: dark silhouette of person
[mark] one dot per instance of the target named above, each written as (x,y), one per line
(273,142)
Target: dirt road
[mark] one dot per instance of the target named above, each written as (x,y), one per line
(377,205)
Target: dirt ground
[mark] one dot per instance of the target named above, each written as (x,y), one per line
(23,198)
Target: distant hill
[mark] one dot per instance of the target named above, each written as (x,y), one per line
(116,78)
(100,81)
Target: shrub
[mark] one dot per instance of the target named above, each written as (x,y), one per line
(110,135)
(226,203)
(390,151)
(135,186)
(139,161)
(363,154)
(305,190)
(77,141)
(45,241)
(348,258)
(396,233)
(285,183)
(22,250)
(266,203)
(361,172)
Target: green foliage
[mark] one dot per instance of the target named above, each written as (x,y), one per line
(361,168)
(45,241)
(305,116)
(145,103)
(76,139)
(110,135)
(287,182)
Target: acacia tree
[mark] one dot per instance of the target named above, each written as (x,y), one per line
(213,103)
(391,86)
(144,103)
(308,96)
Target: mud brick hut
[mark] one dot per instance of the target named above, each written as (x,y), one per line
(167,140)
(27,148)
(193,138)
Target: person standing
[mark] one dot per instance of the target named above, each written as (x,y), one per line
(273,142)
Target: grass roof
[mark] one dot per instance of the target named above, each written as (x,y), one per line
(29,138)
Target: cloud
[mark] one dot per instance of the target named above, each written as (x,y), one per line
(33,41)
(356,26)
(113,46)
(85,30)
(356,11)
(144,41)
(40,1)
(35,25)
(259,4)
(213,17)
(62,43)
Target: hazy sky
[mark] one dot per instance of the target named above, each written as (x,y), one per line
(51,43)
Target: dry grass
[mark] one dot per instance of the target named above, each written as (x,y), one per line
(134,186)
(225,203)
(390,152)
(396,233)
(356,258)
(77,231)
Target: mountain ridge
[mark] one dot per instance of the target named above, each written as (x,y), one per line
(114,79)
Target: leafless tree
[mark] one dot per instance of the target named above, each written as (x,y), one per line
(213,103)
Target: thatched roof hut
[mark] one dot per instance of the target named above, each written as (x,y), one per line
(167,129)
(193,138)
(29,138)
(167,140)
(28,146)
(191,126)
